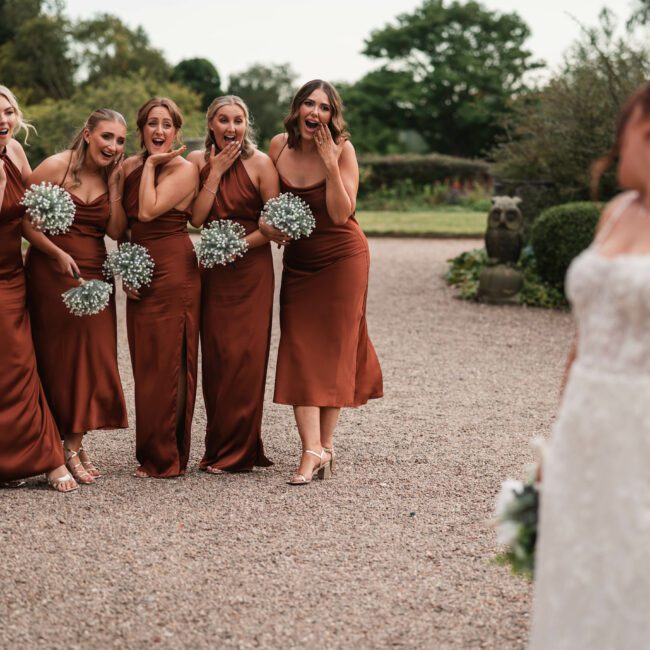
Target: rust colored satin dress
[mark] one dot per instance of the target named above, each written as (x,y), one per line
(77,355)
(163,330)
(236,309)
(29,440)
(325,356)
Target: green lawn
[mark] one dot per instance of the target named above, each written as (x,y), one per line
(436,223)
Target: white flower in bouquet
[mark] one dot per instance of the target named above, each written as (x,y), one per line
(507,530)
(50,208)
(290,214)
(222,242)
(133,263)
(89,298)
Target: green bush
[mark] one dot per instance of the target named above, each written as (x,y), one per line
(559,234)
(379,172)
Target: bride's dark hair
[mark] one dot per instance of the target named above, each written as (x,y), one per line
(641,98)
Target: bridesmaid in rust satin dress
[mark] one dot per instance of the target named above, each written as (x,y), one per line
(29,440)
(237,299)
(325,360)
(77,356)
(163,318)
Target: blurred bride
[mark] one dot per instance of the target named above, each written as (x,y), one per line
(592,577)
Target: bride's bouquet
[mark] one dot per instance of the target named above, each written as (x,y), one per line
(89,298)
(222,242)
(50,208)
(516,516)
(133,263)
(290,214)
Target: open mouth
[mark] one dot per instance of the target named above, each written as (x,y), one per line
(158,142)
(229,138)
(311,125)
(107,155)
(4,132)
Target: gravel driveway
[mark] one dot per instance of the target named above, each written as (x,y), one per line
(394,552)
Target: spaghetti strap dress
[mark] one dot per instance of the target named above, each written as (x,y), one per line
(325,357)
(77,355)
(236,309)
(163,333)
(29,439)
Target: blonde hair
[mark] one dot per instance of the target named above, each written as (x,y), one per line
(249,144)
(79,146)
(174,112)
(21,123)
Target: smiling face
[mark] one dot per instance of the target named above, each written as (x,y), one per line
(634,156)
(105,142)
(8,121)
(314,110)
(228,125)
(158,131)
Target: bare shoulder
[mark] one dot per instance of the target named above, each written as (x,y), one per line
(18,156)
(183,169)
(277,142)
(53,168)
(615,207)
(132,163)
(261,161)
(197,158)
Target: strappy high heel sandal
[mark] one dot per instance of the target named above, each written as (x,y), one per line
(55,482)
(330,451)
(88,464)
(323,470)
(77,469)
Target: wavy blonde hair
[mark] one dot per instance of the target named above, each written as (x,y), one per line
(21,123)
(79,146)
(337,125)
(249,144)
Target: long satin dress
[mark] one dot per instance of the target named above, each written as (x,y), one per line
(29,440)
(325,356)
(163,331)
(77,355)
(236,309)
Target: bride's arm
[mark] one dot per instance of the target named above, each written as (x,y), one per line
(569,362)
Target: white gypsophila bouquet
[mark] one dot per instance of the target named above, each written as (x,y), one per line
(516,517)
(222,242)
(89,298)
(290,214)
(50,208)
(133,263)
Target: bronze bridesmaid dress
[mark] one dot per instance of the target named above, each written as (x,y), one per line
(325,356)
(77,355)
(236,308)
(29,440)
(163,330)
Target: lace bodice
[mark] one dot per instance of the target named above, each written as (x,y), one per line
(611,302)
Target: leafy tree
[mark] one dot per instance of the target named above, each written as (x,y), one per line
(58,121)
(201,76)
(13,13)
(455,66)
(557,133)
(267,90)
(641,14)
(107,47)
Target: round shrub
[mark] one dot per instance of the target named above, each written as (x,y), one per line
(559,234)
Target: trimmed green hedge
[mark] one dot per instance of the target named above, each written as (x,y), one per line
(559,234)
(421,170)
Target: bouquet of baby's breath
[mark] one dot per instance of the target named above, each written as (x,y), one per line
(222,242)
(89,298)
(516,516)
(290,214)
(133,263)
(50,208)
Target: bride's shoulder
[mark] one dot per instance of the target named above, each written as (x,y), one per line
(614,208)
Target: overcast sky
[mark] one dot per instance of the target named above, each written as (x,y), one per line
(318,39)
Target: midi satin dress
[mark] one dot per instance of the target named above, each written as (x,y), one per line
(29,439)
(163,333)
(236,309)
(77,355)
(325,357)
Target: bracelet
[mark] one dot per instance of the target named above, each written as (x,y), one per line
(119,198)
(205,187)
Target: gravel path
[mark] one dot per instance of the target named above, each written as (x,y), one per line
(395,551)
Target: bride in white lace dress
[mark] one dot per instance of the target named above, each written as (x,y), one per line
(592,575)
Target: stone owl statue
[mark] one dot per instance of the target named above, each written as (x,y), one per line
(504,234)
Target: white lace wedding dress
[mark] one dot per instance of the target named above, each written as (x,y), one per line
(592,575)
